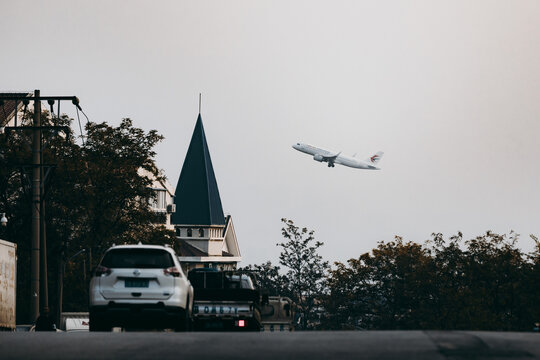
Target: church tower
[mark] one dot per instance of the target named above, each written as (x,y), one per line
(206,236)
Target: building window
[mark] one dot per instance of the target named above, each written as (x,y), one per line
(159,201)
(201,232)
(177,231)
(189,233)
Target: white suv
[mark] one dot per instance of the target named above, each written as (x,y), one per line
(140,286)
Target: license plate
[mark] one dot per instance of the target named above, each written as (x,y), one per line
(136,283)
(215,310)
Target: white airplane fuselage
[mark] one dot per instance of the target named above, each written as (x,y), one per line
(322,155)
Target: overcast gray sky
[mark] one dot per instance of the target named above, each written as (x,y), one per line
(449,90)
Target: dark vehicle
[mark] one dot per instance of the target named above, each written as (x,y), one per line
(225,300)
(277,314)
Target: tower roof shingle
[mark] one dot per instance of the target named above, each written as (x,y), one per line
(197,196)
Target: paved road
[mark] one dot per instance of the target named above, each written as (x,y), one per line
(430,345)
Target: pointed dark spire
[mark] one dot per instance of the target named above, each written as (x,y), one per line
(197,196)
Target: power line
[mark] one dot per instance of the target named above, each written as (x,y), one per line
(80,127)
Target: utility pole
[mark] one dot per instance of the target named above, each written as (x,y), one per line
(38,254)
(36,206)
(44,280)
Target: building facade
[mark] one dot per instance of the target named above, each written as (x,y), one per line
(163,201)
(12,111)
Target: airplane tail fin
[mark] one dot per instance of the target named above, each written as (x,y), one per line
(375,158)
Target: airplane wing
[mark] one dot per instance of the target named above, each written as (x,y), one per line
(330,157)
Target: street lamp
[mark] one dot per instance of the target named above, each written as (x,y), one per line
(3,224)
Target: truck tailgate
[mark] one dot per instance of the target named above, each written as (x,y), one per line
(227,295)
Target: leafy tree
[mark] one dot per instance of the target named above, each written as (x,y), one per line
(269,279)
(306,270)
(403,283)
(485,283)
(532,271)
(349,299)
(110,194)
(15,196)
(482,285)
(388,289)
(95,197)
(451,295)
(496,282)
(304,281)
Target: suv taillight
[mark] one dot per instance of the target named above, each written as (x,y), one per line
(172,271)
(102,271)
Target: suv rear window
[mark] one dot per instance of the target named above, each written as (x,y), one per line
(137,258)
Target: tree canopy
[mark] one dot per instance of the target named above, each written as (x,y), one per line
(95,196)
(484,283)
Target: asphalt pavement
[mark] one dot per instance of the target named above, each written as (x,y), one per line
(430,345)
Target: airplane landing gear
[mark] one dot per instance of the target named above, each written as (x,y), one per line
(330,165)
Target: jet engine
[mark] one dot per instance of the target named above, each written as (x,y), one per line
(318,158)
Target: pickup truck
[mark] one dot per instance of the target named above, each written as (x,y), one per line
(224,301)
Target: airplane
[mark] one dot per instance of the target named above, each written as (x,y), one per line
(321,155)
